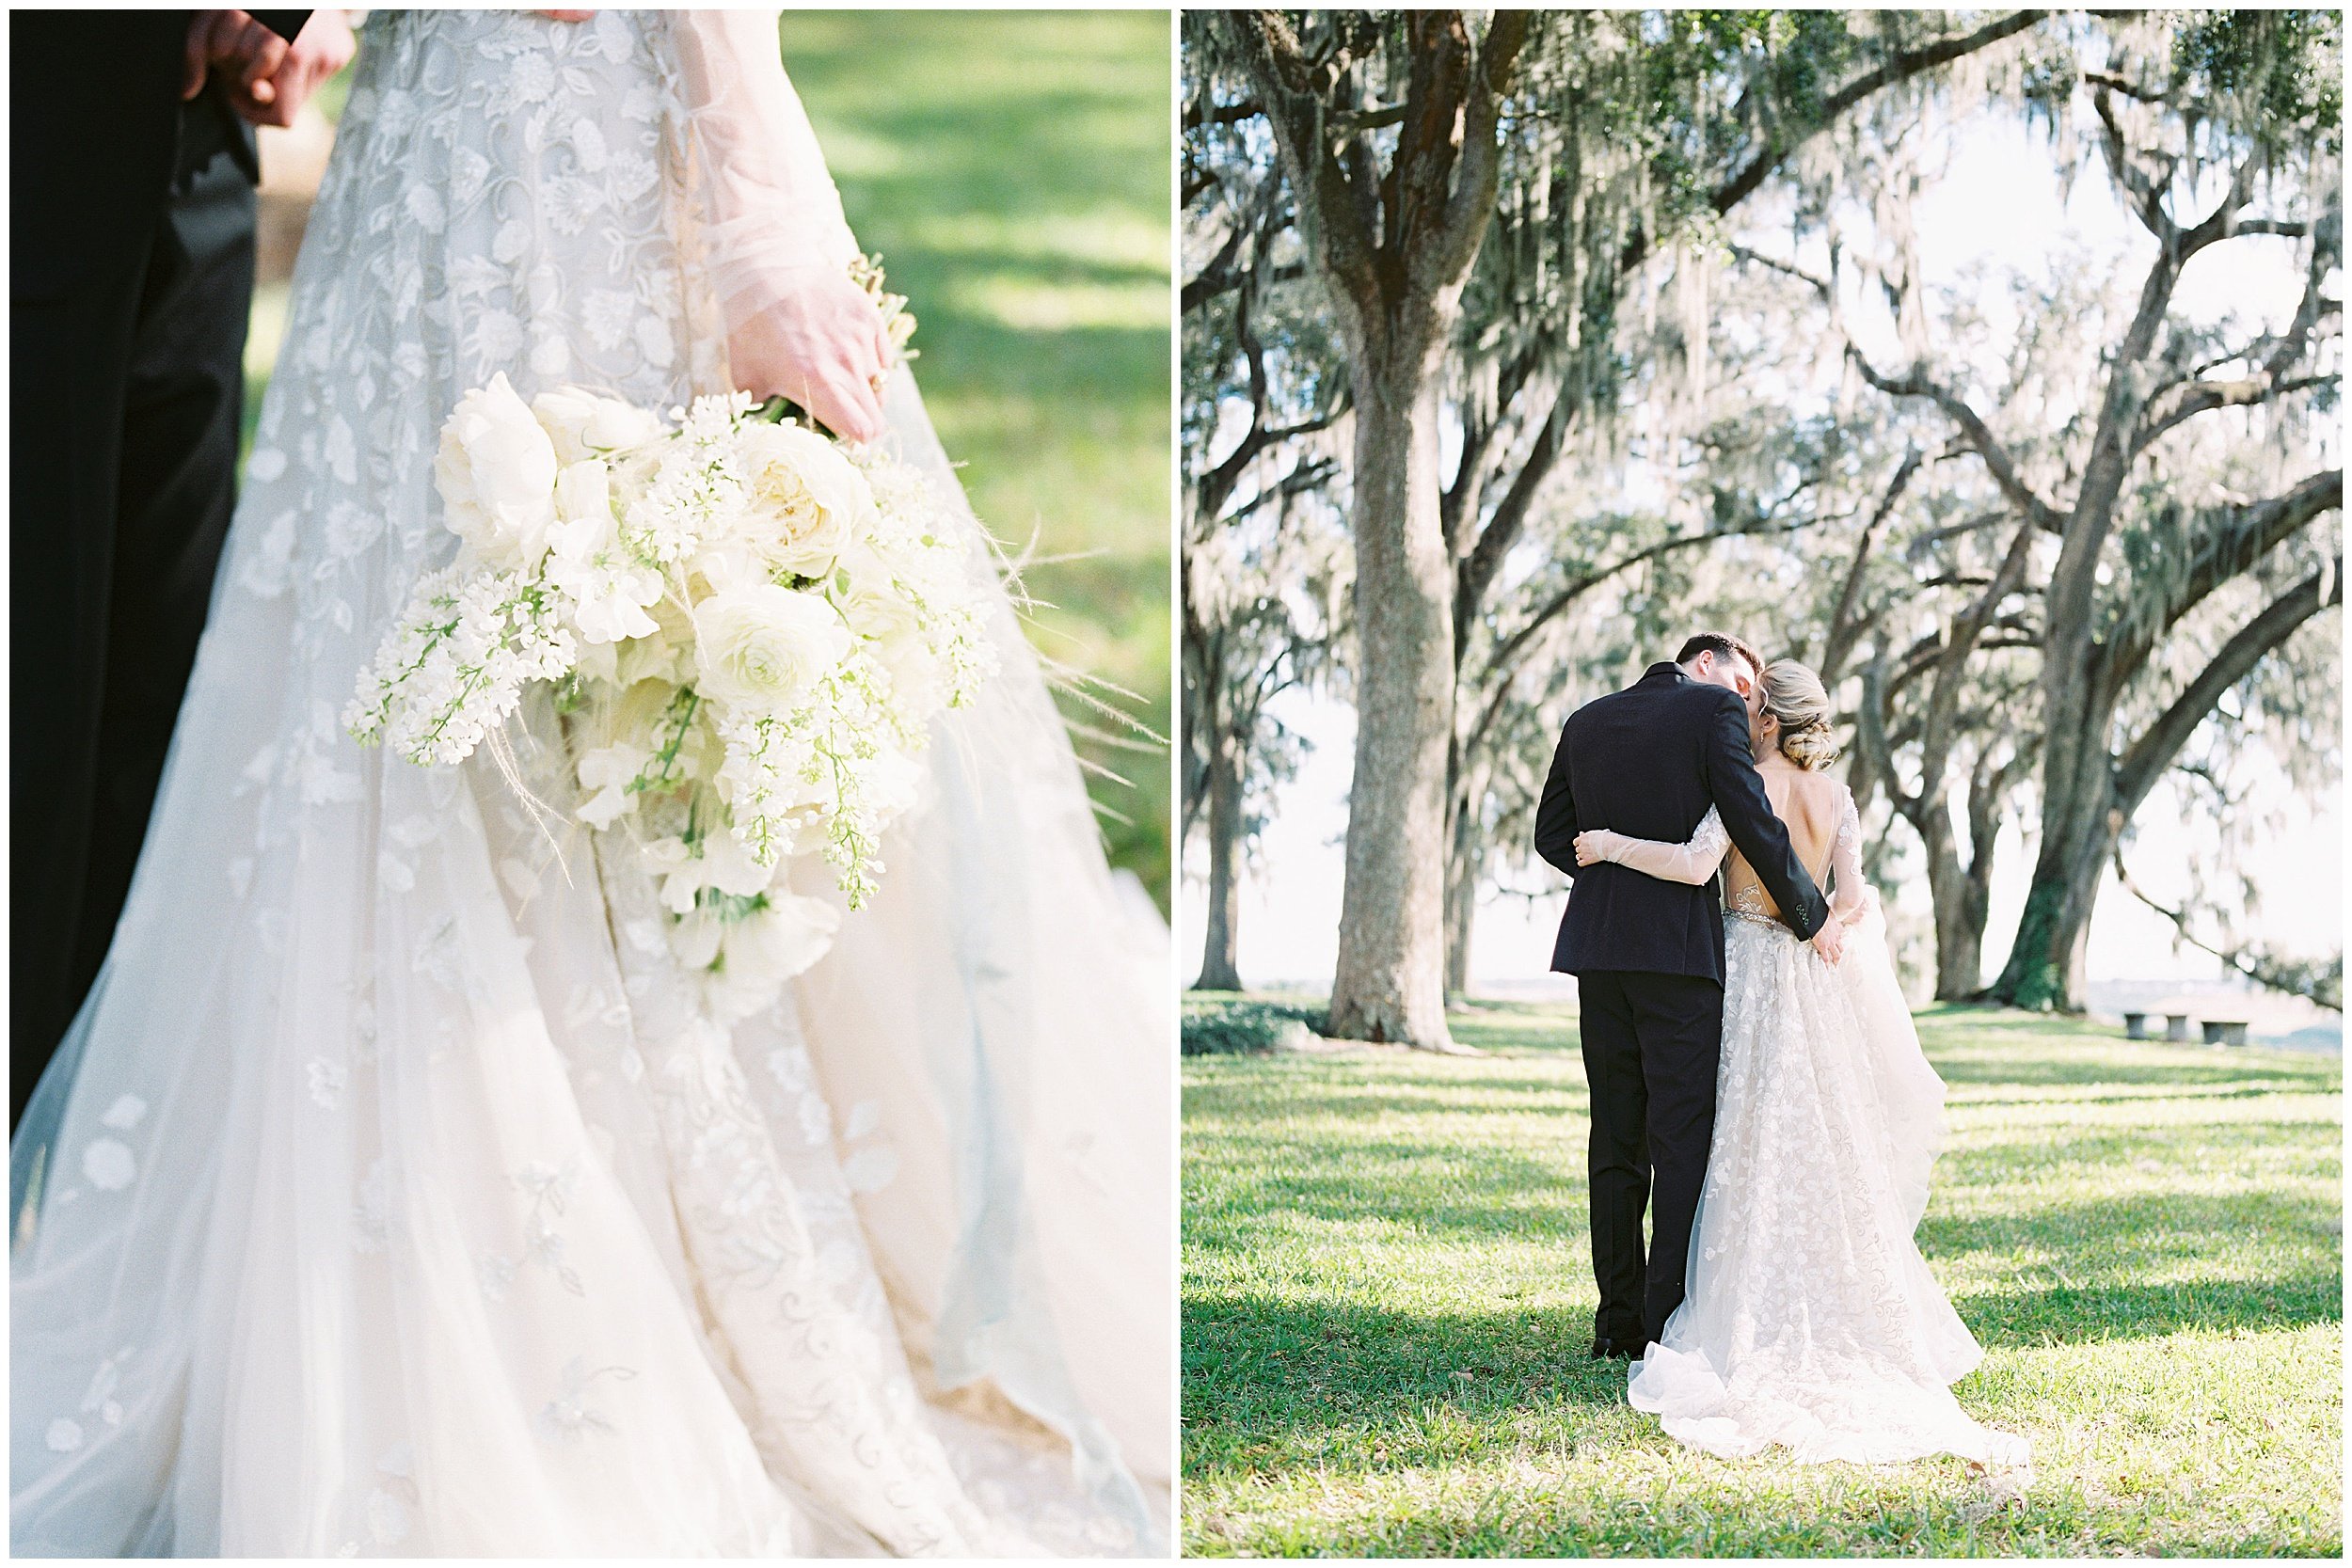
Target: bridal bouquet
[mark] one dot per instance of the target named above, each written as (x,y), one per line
(755,625)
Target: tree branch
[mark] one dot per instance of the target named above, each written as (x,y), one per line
(2137,773)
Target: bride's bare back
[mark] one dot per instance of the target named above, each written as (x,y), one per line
(1809,804)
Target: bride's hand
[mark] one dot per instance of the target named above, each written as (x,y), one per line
(823,345)
(1592,845)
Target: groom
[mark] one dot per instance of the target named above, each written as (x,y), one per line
(132,168)
(1648,955)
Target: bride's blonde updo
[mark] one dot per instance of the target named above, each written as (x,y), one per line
(1794,695)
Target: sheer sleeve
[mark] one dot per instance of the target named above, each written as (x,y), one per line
(771,206)
(1693,860)
(1850,890)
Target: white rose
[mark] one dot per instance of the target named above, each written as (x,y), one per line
(761,649)
(918,684)
(582,426)
(867,590)
(804,499)
(495,471)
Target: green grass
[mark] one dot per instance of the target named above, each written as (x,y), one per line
(1011,168)
(1388,1299)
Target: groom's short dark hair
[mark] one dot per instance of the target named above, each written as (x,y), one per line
(1722,646)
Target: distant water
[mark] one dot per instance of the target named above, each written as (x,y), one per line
(2271,1018)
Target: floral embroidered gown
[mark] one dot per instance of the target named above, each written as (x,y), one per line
(1811,1321)
(393,1194)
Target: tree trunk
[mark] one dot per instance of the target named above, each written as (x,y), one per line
(1463,869)
(2080,820)
(1963,905)
(1219,957)
(1390,982)
(1948,888)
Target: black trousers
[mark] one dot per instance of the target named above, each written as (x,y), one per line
(1651,1046)
(123,424)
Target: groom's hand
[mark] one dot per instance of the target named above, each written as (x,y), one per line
(241,50)
(267,79)
(1830,941)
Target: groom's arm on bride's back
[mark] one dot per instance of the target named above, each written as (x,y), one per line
(1738,791)
(1555,812)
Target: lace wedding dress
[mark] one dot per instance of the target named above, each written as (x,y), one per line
(390,1194)
(1811,1321)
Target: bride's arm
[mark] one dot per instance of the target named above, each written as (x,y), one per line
(777,246)
(1851,891)
(1693,860)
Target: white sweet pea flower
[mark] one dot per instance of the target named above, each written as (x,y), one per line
(495,471)
(768,948)
(610,588)
(721,863)
(805,503)
(763,649)
(696,938)
(581,424)
(609,771)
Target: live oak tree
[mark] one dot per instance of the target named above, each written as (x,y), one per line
(2220,133)
(1618,130)
(1266,560)
(1386,126)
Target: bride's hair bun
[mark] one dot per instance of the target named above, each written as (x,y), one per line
(1795,696)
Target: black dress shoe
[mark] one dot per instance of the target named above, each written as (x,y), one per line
(1614,1350)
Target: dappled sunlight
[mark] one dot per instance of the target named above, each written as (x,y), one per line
(1030,306)
(1388,1299)
(1106,241)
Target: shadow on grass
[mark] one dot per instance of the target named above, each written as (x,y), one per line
(2065,1315)
(1280,1368)
(1427,1187)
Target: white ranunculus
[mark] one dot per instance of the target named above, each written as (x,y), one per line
(762,649)
(495,471)
(582,424)
(806,500)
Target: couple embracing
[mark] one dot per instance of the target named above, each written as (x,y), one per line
(1756,1077)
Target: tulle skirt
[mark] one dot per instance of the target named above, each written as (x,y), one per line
(390,1195)
(1811,1322)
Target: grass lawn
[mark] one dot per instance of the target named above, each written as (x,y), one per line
(1388,1296)
(1011,168)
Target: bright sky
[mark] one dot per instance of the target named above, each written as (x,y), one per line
(1999,202)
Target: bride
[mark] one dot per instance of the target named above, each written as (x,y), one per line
(393,1194)
(1811,1321)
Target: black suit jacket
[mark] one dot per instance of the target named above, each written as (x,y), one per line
(1647,762)
(97,133)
